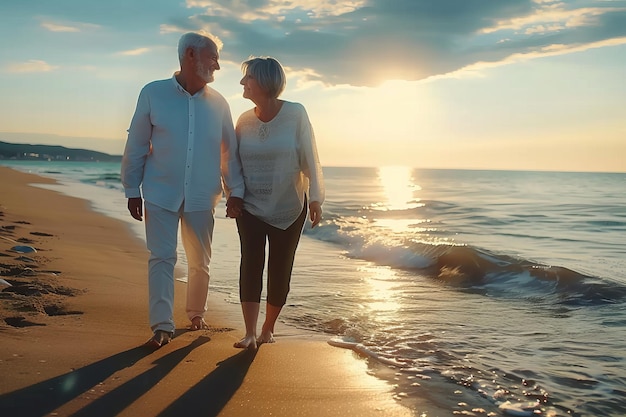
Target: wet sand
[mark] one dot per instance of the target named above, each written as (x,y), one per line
(75,316)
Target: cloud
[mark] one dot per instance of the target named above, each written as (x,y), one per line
(52,27)
(135,52)
(32,65)
(364,43)
(551,50)
(165,29)
(277,9)
(68,26)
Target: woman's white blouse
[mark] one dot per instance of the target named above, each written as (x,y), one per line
(280,164)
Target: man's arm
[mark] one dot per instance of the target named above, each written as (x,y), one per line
(135,152)
(232,172)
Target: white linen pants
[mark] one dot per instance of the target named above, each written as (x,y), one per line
(161,239)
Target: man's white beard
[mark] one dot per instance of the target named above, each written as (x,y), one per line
(204,73)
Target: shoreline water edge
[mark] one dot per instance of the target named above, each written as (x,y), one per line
(74,318)
(462,292)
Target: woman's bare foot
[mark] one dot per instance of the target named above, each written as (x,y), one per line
(266,337)
(247,342)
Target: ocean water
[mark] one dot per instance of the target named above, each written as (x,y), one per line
(469,291)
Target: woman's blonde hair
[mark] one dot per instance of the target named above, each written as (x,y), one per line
(267,72)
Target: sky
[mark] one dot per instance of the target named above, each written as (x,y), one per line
(467,84)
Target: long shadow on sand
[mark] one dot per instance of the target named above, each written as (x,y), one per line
(209,396)
(44,397)
(115,401)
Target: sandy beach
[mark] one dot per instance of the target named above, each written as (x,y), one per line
(75,317)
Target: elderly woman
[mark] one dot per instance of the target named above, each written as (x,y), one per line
(281,172)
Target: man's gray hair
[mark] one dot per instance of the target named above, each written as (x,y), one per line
(197,41)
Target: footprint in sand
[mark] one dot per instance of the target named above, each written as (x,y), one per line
(41,234)
(20,322)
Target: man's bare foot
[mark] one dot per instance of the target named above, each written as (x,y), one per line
(198,323)
(247,342)
(160,338)
(266,337)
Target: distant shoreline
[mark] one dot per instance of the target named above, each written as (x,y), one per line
(28,152)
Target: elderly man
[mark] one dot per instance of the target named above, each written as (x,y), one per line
(181,150)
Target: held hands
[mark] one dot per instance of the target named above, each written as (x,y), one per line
(234,207)
(135,207)
(315,212)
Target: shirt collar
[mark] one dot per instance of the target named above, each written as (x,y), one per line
(204,90)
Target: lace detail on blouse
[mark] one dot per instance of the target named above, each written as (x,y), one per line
(278,168)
